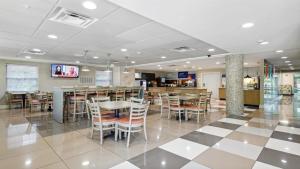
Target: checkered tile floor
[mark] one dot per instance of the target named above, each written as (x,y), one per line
(234,142)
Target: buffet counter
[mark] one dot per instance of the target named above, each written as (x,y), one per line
(251,96)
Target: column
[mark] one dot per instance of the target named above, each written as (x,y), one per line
(234,84)
(116,76)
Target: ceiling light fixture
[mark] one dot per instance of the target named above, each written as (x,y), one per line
(218,63)
(123,50)
(248,25)
(126,66)
(287,61)
(108,63)
(163,57)
(77,62)
(96,57)
(262,42)
(211,50)
(89,5)
(284,57)
(52,36)
(246,63)
(27,57)
(279,51)
(188,62)
(133,62)
(138,53)
(84,67)
(290,64)
(36,50)
(158,65)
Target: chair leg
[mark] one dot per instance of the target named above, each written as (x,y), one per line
(116,132)
(74,111)
(186,115)
(198,117)
(120,134)
(101,135)
(92,133)
(145,133)
(169,114)
(128,136)
(161,110)
(179,114)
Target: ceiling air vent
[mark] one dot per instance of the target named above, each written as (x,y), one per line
(183,49)
(34,52)
(73,18)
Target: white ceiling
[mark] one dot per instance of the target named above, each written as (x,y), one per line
(25,25)
(219,22)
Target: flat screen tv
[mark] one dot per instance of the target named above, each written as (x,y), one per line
(182,75)
(64,71)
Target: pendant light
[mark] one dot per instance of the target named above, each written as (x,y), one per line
(126,66)
(84,67)
(108,63)
(247,76)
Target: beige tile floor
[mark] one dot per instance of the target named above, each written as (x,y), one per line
(21,145)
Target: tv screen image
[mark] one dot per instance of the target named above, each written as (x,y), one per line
(182,75)
(64,71)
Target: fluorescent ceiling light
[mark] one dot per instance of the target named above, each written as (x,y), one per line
(218,63)
(245,63)
(163,57)
(52,36)
(262,42)
(248,25)
(36,50)
(284,57)
(27,57)
(132,62)
(89,5)
(123,50)
(211,50)
(279,51)
(188,62)
(290,64)
(95,57)
(287,61)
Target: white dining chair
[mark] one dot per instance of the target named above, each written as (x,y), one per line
(100,123)
(100,99)
(163,102)
(136,122)
(197,108)
(174,106)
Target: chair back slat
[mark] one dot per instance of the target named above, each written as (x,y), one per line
(100,99)
(94,110)
(136,100)
(174,101)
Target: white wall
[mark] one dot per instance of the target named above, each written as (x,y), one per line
(46,82)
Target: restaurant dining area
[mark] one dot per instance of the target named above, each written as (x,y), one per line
(111,84)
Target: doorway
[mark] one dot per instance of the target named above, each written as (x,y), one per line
(212,81)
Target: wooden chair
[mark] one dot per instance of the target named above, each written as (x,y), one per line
(13,101)
(32,102)
(174,106)
(196,109)
(136,122)
(79,100)
(102,92)
(100,123)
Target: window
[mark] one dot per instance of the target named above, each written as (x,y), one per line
(21,78)
(103,78)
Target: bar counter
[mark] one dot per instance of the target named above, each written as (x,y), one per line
(251,96)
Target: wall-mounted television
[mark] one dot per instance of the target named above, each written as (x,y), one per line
(64,71)
(182,75)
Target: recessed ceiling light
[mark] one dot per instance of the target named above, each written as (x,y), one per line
(284,57)
(77,62)
(158,65)
(163,57)
(36,50)
(287,61)
(188,62)
(283,161)
(85,163)
(132,61)
(218,63)
(290,64)
(279,51)
(211,50)
(95,57)
(27,57)
(89,5)
(52,36)
(262,42)
(246,63)
(248,25)
(123,50)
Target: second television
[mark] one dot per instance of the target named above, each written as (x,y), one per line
(64,71)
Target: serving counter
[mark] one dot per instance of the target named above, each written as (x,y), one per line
(251,96)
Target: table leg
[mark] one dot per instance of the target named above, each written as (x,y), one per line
(117,113)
